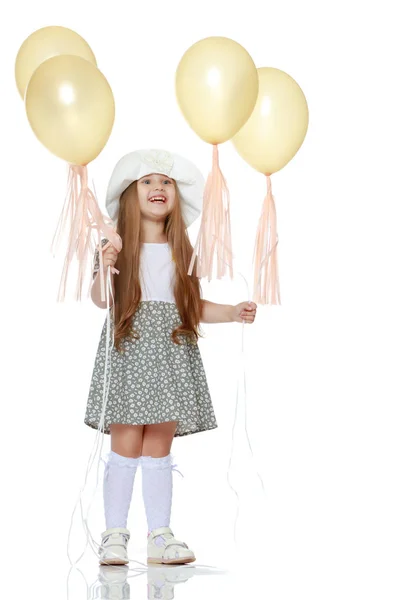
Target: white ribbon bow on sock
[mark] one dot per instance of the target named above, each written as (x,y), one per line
(173,467)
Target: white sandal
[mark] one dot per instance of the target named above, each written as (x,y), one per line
(113,549)
(172,552)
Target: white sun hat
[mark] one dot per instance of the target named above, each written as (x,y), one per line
(135,165)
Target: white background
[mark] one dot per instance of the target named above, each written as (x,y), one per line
(322,368)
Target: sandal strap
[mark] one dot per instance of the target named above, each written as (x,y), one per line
(160,531)
(175,542)
(167,542)
(123,530)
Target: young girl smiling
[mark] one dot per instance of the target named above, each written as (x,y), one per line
(158,388)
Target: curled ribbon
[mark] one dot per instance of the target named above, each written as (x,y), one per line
(82,211)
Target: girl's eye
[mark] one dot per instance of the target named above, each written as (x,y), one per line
(148,181)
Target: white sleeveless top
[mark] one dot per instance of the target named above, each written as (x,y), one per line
(157,272)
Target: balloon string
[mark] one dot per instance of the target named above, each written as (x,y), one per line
(242,355)
(243,372)
(89,537)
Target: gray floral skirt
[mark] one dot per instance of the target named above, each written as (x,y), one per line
(154,380)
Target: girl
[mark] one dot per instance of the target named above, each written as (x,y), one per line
(158,388)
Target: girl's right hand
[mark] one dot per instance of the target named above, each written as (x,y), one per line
(110,255)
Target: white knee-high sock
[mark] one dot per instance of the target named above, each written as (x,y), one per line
(157,490)
(119,476)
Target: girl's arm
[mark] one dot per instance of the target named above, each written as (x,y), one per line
(96,290)
(216,313)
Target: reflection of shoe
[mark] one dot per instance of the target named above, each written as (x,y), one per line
(113,584)
(162,579)
(172,551)
(173,573)
(113,549)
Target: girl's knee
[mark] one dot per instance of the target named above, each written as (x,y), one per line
(157,439)
(127,440)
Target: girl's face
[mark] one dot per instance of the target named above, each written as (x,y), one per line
(156,195)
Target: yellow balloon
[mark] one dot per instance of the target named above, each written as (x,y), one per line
(44,44)
(278,125)
(70,107)
(216,87)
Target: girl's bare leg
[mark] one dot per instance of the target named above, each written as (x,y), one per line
(157,439)
(127,440)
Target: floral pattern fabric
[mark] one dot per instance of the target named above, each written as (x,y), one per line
(154,380)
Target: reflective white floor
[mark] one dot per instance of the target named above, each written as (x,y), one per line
(225,574)
(164,582)
(333,562)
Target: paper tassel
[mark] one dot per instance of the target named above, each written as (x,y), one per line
(215,229)
(266,278)
(82,214)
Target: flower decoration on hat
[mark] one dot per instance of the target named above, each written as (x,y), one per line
(159,160)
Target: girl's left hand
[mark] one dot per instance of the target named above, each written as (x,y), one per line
(244,311)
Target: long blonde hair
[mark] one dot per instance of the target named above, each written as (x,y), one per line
(127,284)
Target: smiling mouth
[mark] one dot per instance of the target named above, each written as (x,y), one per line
(158,199)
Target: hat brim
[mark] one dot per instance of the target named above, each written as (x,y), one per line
(135,165)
